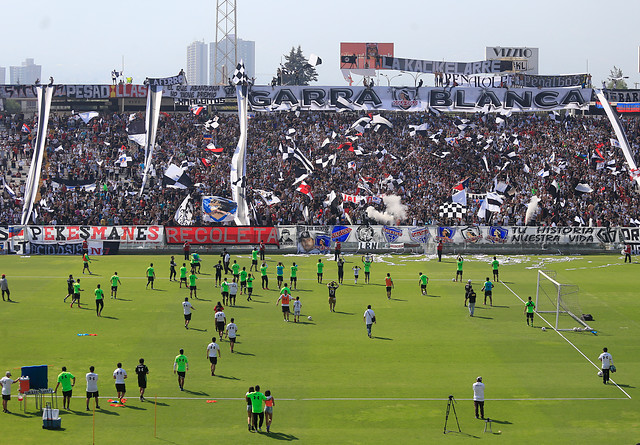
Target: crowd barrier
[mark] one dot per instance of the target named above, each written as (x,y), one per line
(313,239)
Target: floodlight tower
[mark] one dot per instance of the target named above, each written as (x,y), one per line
(226,53)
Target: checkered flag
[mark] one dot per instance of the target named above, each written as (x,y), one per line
(452,210)
(240,75)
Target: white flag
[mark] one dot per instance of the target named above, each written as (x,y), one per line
(184,214)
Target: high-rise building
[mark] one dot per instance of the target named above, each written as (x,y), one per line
(246,53)
(25,74)
(197,63)
(3,74)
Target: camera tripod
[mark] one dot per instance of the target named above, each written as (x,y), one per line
(451,404)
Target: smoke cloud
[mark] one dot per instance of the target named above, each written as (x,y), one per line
(394,211)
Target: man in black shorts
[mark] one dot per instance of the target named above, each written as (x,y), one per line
(70,282)
(218,267)
(333,286)
(172,269)
(142,371)
(92,387)
(340,270)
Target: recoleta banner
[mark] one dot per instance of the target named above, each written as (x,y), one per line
(67,234)
(221,235)
(435,66)
(534,81)
(262,98)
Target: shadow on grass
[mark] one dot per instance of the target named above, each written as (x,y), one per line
(137,408)
(107,412)
(344,313)
(258,301)
(81,413)
(480,316)
(227,377)
(501,422)
(432,296)
(244,353)
(166,440)
(382,338)
(504,307)
(26,416)
(109,317)
(280,436)
(201,299)
(122,299)
(397,299)
(241,307)
(625,386)
(196,329)
(197,393)
(159,290)
(463,434)
(305,322)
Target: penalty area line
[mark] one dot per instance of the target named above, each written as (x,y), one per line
(567,340)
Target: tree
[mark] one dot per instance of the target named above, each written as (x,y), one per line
(12,106)
(616,79)
(296,70)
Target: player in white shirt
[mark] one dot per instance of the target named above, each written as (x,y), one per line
(369,318)
(213,352)
(478,397)
(607,361)
(297,307)
(221,320)
(92,387)
(356,272)
(233,291)
(187,307)
(119,376)
(231,333)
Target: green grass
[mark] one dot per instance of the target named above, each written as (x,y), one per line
(424,348)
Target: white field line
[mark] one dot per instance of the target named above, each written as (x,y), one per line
(567,340)
(381,399)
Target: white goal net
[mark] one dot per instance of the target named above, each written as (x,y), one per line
(561,301)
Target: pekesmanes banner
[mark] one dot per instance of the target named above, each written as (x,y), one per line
(435,66)
(457,99)
(563,81)
(71,234)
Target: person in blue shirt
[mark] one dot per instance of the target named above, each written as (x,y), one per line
(487,288)
(280,274)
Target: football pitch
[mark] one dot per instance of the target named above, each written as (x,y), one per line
(331,383)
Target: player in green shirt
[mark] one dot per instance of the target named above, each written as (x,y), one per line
(181,366)
(367,260)
(265,278)
(459,263)
(67,380)
(529,308)
(286,289)
(256,408)
(249,287)
(99,300)
(115,280)
(151,275)
(192,285)
(195,262)
(243,280)
(423,283)
(320,268)
(235,270)
(76,293)
(224,290)
(86,260)
(183,275)
(254,259)
(495,264)
(294,276)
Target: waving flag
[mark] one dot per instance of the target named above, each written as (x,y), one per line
(305,189)
(213,149)
(26,129)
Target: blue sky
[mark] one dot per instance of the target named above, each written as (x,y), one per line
(81,42)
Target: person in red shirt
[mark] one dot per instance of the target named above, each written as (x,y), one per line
(262,249)
(389,284)
(439,251)
(336,251)
(187,250)
(627,253)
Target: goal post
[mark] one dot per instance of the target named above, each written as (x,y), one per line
(560,300)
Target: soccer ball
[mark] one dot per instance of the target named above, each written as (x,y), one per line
(309,318)
(453,279)
(599,373)
(543,328)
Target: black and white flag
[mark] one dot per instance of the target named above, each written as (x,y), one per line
(137,132)
(184,214)
(176,177)
(268,197)
(494,201)
(240,75)
(451,210)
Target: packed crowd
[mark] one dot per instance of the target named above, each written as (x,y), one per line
(421,168)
